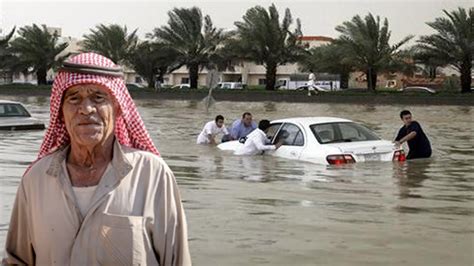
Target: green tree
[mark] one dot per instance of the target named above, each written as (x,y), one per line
(430,63)
(112,41)
(36,50)
(263,39)
(365,43)
(152,61)
(453,44)
(4,53)
(328,58)
(192,38)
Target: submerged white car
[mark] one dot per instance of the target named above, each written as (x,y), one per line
(326,140)
(14,116)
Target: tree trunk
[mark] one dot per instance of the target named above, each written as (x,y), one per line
(371,75)
(466,75)
(193,75)
(151,80)
(344,80)
(271,77)
(41,76)
(432,70)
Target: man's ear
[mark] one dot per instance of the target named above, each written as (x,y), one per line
(117,109)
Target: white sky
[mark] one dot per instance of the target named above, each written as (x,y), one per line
(318,17)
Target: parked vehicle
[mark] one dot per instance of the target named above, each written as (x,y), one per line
(230,85)
(182,86)
(326,140)
(299,81)
(14,116)
(417,89)
(316,87)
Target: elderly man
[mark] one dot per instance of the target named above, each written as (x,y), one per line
(98,193)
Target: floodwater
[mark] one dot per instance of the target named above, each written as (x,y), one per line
(271,211)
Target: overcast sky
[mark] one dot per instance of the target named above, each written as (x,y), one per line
(317,17)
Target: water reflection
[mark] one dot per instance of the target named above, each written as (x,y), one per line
(266,210)
(410,176)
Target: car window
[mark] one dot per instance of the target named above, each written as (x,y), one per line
(348,131)
(291,135)
(273,130)
(342,132)
(323,132)
(299,139)
(13,110)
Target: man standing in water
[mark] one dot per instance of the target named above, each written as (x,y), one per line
(211,129)
(99,193)
(257,141)
(312,83)
(413,134)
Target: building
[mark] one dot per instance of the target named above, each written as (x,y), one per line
(246,72)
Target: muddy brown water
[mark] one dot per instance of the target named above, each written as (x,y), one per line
(272,211)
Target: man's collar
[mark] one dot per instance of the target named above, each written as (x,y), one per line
(119,160)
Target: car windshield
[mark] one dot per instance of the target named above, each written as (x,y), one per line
(342,132)
(12,109)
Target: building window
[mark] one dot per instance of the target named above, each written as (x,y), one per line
(184,80)
(262,81)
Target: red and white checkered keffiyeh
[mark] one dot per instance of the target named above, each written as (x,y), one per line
(129,127)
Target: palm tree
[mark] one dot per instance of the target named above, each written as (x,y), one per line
(4,53)
(262,39)
(192,37)
(328,58)
(366,46)
(429,62)
(112,41)
(152,61)
(36,50)
(453,43)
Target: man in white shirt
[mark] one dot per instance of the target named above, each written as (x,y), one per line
(311,83)
(257,141)
(211,130)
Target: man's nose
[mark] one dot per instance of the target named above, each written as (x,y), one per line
(87,107)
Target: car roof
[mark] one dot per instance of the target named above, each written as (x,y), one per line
(6,101)
(311,120)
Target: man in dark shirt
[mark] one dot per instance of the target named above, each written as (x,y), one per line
(413,134)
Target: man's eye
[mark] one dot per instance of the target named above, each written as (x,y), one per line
(99,98)
(73,100)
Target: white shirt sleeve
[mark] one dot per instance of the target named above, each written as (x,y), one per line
(260,144)
(208,128)
(225,131)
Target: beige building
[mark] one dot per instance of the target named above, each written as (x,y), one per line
(246,72)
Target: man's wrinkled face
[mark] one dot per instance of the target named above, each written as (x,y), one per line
(89,114)
(220,123)
(247,120)
(406,119)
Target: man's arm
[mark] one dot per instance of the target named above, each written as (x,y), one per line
(408,137)
(19,249)
(412,130)
(169,227)
(234,131)
(261,146)
(211,139)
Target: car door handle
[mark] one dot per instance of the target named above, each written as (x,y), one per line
(293,153)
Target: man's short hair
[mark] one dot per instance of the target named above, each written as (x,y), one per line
(245,114)
(219,117)
(263,124)
(404,113)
